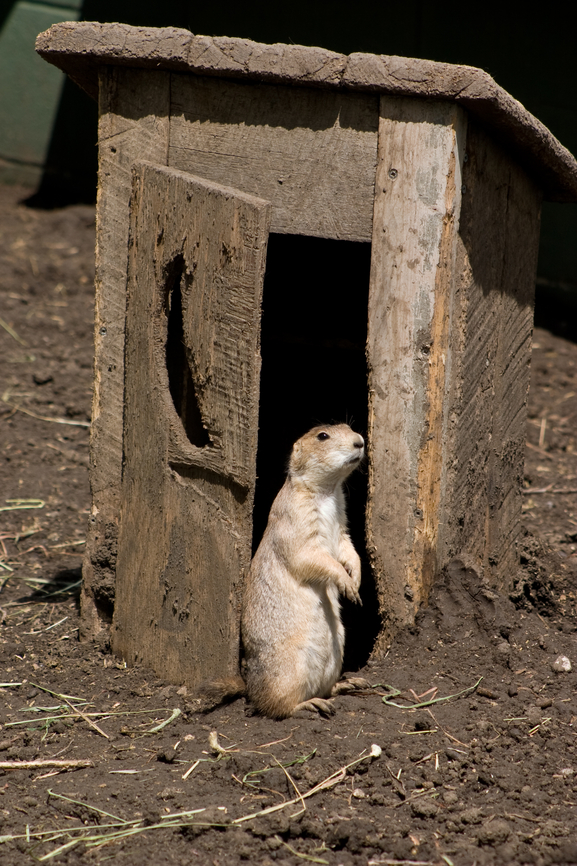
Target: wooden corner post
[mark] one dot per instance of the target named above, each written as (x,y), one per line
(415,226)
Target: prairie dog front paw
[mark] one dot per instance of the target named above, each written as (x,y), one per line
(353,569)
(349,589)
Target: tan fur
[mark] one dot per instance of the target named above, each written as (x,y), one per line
(214,693)
(291,627)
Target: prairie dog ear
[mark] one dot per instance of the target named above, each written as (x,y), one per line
(296,456)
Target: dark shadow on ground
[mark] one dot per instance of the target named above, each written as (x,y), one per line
(63,585)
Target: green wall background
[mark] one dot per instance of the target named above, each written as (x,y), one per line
(48,126)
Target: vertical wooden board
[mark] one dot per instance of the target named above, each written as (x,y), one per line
(514,357)
(311,153)
(186,516)
(134,108)
(474,352)
(492,348)
(415,222)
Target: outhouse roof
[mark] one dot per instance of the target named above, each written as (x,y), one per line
(80,48)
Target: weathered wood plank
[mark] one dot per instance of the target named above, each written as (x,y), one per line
(497,263)
(134,107)
(311,154)
(500,213)
(513,366)
(416,213)
(196,270)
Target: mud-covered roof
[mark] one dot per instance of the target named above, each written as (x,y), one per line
(80,48)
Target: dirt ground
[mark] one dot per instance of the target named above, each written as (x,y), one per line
(421,768)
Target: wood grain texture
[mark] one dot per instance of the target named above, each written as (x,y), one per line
(311,154)
(186,516)
(491,351)
(133,125)
(417,202)
(81,48)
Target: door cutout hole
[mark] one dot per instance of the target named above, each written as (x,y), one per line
(180,381)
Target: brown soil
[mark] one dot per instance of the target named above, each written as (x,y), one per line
(485,777)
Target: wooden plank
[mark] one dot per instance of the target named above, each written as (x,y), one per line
(519,274)
(312,154)
(133,125)
(497,262)
(196,271)
(416,214)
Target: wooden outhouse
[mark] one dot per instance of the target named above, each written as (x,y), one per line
(391,208)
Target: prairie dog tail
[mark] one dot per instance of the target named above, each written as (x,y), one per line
(213,694)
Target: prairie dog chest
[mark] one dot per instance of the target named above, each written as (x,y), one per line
(330,515)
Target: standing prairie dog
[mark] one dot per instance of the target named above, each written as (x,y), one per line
(291,626)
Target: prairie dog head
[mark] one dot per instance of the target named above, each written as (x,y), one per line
(326,455)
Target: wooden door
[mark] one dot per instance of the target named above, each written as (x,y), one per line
(192,365)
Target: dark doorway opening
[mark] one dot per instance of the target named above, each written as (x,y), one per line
(314,371)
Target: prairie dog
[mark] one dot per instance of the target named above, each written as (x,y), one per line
(291,626)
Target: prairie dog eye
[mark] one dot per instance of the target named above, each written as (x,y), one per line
(323,436)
